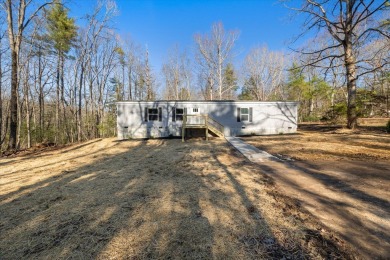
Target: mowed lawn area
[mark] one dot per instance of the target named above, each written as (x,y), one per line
(106,199)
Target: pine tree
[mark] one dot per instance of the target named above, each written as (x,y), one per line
(307,91)
(296,83)
(117,89)
(122,62)
(62,32)
(247,91)
(230,81)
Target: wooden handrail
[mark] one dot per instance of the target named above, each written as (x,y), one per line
(206,122)
(203,121)
(216,122)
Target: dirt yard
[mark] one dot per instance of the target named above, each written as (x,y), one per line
(106,199)
(341,176)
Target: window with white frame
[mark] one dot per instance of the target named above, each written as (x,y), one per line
(177,114)
(153,114)
(244,114)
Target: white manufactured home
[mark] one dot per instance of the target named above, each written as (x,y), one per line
(153,119)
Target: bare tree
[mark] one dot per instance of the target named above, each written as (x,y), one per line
(92,52)
(41,73)
(24,74)
(214,51)
(16,28)
(86,73)
(106,62)
(351,24)
(132,53)
(379,80)
(205,78)
(2,51)
(177,75)
(263,71)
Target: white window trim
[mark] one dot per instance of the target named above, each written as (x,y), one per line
(154,114)
(244,114)
(180,114)
(240,114)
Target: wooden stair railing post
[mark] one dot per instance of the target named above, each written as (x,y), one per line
(206,128)
(183,127)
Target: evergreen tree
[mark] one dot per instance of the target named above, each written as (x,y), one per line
(61,29)
(296,84)
(247,90)
(122,62)
(61,32)
(230,81)
(116,93)
(308,91)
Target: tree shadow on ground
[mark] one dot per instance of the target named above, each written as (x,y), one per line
(359,217)
(361,148)
(151,199)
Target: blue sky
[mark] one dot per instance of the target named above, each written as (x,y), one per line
(163,24)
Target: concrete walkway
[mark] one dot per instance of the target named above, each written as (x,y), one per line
(249,151)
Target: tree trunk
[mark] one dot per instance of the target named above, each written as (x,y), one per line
(220,74)
(19,122)
(79,104)
(27,112)
(311,106)
(123,81)
(64,120)
(1,100)
(57,125)
(262,93)
(92,101)
(129,78)
(387,100)
(14,100)
(40,97)
(350,66)
(86,122)
(99,114)
(34,117)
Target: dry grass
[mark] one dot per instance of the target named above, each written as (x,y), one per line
(151,199)
(341,176)
(320,142)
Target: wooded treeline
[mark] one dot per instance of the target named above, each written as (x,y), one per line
(59,78)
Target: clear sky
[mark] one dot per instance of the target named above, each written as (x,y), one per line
(161,24)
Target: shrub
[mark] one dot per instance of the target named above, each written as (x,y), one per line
(388,127)
(336,113)
(311,118)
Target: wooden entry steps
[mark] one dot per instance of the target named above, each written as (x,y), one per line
(202,121)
